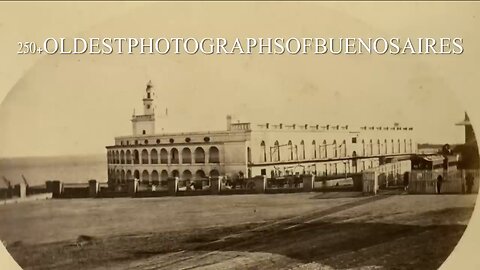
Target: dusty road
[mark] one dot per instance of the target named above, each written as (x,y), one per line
(340,232)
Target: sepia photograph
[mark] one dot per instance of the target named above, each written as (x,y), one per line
(237,135)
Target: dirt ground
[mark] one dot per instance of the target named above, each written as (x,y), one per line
(282,231)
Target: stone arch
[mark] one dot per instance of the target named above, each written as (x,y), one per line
(128,155)
(136,174)
(136,157)
(200,174)
(145,176)
(175,173)
(122,157)
(174,159)
(214,173)
(154,177)
(129,175)
(213,155)
(186,175)
(186,156)
(163,156)
(164,175)
(154,156)
(144,156)
(199,155)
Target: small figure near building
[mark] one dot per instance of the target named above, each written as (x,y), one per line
(439,184)
(406,178)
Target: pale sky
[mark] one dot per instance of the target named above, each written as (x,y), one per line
(68,105)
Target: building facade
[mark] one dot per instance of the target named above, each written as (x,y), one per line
(251,149)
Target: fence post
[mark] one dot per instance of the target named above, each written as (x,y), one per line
(92,188)
(308,181)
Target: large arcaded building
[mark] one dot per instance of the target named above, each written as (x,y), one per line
(250,149)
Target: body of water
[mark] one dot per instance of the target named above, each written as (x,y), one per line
(68,169)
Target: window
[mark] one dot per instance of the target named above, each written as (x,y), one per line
(214,155)
(186,156)
(276,150)
(158,141)
(264,151)
(206,139)
(144,156)
(148,106)
(354,140)
(146,141)
(199,155)
(172,140)
(144,132)
(187,139)
(290,148)
(174,156)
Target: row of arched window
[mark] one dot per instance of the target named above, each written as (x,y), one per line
(335,149)
(378,147)
(164,156)
(298,152)
(121,176)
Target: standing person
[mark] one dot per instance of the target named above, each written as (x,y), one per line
(439,184)
(406,178)
(469,182)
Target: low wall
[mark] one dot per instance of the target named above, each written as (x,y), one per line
(208,186)
(42,196)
